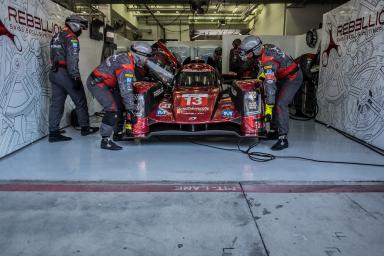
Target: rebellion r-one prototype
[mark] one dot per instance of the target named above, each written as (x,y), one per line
(197,104)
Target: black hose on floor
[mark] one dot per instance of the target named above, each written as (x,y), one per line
(267,157)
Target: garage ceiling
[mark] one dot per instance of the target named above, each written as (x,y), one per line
(211,13)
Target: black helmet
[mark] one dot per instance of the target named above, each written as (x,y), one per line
(251,44)
(236,42)
(218,51)
(76,24)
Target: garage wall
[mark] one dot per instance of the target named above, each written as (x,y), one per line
(122,11)
(270,21)
(90,58)
(177,32)
(276,19)
(300,20)
(151,32)
(301,46)
(24,87)
(351,86)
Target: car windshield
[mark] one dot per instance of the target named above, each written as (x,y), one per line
(200,79)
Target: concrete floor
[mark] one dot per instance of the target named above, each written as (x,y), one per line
(279,208)
(179,160)
(179,223)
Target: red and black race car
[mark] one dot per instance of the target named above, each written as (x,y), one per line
(197,104)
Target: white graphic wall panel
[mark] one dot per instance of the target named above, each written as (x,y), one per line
(26,29)
(351,86)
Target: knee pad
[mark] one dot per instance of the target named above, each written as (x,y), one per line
(110,118)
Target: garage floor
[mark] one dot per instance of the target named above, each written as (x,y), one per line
(177,159)
(168,196)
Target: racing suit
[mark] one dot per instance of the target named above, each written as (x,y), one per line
(234,61)
(283,78)
(65,79)
(115,73)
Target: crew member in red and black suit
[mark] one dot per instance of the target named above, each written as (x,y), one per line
(117,73)
(65,78)
(283,78)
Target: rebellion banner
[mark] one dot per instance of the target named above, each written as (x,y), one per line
(351,87)
(26,28)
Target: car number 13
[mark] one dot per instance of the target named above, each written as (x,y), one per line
(194,99)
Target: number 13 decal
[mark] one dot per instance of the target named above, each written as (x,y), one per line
(194,99)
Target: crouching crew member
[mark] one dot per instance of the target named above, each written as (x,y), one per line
(117,73)
(283,78)
(65,78)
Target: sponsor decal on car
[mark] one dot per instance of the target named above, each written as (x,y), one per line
(194,100)
(197,70)
(158,92)
(161,112)
(227,113)
(252,95)
(165,105)
(199,109)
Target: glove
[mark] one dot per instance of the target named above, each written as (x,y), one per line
(261,76)
(131,118)
(268,112)
(78,84)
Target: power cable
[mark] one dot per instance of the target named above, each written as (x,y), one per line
(267,157)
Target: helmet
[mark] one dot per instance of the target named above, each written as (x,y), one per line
(141,51)
(236,42)
(219,51)
(76,24)
(251,44)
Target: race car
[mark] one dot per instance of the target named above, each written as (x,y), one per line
(197,104)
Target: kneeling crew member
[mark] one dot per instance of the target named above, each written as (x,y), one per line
(283,78)
(117,73)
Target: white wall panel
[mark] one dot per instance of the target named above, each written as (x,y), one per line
(351,87)
(24,67)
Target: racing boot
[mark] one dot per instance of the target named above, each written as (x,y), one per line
(107,143)
(273,135)
(281,143)
(118,136)
(86,130)
(56,136)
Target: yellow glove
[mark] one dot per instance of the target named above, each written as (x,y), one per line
(261,76)
(268,112)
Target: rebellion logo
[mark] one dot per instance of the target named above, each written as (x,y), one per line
(361,26)
(331,46)
(30,21)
